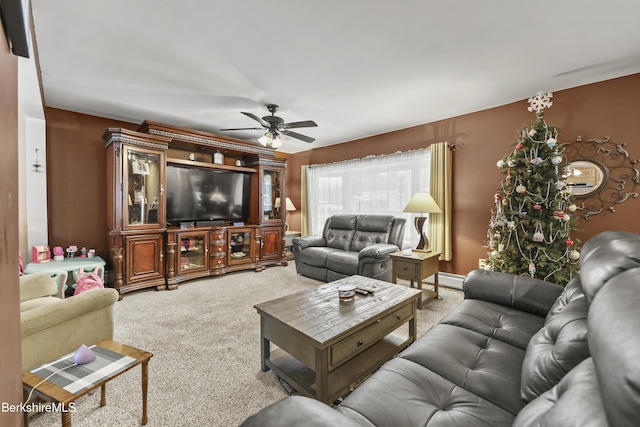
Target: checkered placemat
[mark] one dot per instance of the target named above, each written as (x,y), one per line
(77,378)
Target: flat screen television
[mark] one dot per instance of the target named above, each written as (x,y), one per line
(206,194)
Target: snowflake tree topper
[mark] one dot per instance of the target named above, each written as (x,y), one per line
(541,101)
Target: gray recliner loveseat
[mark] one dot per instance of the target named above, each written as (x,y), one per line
(350,245)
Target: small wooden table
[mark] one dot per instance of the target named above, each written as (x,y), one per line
(327,347)
(288,242)
(51,392)
(416,267)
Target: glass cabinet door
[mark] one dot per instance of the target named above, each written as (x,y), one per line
(240,245)
(143,187)
(192,252)
(272,205)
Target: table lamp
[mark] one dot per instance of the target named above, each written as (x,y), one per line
(288,207)
(422,203)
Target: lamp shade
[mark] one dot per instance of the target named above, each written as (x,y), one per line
(422,203)
(289,205)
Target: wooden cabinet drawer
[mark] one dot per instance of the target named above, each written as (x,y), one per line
(350,347)
(217,236)
(389,323)
(406,269)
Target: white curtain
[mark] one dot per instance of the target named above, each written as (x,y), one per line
(380,185)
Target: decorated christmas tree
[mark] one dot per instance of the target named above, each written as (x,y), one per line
(530,227)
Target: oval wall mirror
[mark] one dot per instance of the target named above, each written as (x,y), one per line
(601,175)
(585,177)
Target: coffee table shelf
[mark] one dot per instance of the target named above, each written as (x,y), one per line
(341,380)
(325,347)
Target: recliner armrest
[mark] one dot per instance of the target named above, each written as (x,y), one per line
(510,290)
(378,250)
(308,241)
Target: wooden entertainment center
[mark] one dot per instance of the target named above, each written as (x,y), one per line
(145,250)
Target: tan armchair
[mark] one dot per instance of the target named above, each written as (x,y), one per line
(52,327)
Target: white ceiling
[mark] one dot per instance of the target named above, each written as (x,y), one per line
(356,67)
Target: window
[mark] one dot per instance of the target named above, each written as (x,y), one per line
(381,185)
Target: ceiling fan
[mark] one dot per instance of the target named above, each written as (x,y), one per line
(276,128)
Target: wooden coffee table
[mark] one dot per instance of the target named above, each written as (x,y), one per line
(116,354)
(327,347)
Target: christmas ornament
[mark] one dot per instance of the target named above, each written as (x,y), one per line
(568,242)
(572,208)
(532,269)
(521,189)
(500,247)
(537,206)
(574,255)
(536,161)
(539,102)
(505,202)
(519,146)
(532,132)
(538,236)
(511,225)
(500,163)
(511,163)
(494,254)
(551,142)
(497,197)
(560,185)
(566,217)
(558,215)
(556,160)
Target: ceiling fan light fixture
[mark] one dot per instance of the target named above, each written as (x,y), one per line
(266,139)
(277,141)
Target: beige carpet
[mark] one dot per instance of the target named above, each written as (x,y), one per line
(205,337)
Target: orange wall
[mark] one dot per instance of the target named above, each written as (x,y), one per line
(607,108)
(10,351)
(76,163)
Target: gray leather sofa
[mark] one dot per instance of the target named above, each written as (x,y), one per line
(517,351)
(349,245)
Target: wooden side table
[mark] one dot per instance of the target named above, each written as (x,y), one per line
(86,379)
(416,267)
(288,242)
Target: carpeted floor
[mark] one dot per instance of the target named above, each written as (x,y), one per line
(205,337)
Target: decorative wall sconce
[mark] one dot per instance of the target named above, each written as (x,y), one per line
(600,175)
(36,163)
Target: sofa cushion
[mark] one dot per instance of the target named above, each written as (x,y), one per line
(418,397)
(484,366)
(37,302)
(574,402)
(343,262)
(371,229)
(555,349)
(614,322)
(506,324)
(339,231)
(315,256)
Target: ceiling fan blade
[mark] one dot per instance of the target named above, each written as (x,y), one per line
(244,129)
(257,119)
(298,136)
(303,124)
